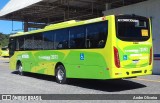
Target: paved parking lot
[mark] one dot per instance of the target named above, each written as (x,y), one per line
(12,83)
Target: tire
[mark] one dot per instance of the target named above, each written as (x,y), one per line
(20,69)
(61,74)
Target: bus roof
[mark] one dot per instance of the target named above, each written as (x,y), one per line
(61,25)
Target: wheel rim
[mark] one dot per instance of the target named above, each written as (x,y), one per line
(60,74)
(20,69)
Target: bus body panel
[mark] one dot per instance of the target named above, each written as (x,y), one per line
(98,63)
(92,65)
(134,57)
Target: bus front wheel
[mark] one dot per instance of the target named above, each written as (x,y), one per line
(20,69)
(61,74)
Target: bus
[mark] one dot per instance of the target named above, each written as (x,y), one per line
(5,51)
(108,47)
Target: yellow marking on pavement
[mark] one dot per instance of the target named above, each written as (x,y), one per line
(146,80)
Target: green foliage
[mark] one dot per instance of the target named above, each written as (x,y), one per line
(4,40)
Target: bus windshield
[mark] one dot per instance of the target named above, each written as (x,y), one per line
(4,49)
(133,28)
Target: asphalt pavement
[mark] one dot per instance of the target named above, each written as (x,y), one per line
(12,83)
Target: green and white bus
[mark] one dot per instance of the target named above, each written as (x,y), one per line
(109,47)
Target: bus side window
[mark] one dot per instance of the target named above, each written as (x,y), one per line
(77,37)
(28,43)
(48,40)
(72,44)
(97,35)
(20,43)
(101,43)
(12,46)
(62,39)
(38,42)
(89,44)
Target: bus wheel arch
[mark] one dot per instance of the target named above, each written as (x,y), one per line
(19,67)
(60,73)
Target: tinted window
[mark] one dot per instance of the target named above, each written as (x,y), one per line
(12,46)
(77,37)
(133,29)
(62,39)
(80,37)
(38,41)
(28,43)
(20,43)
(97,35)
(4,48)
(48,40)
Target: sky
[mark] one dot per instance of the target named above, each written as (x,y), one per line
(6,26)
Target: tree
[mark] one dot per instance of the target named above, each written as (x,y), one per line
(4,39)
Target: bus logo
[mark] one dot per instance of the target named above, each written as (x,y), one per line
(81,56)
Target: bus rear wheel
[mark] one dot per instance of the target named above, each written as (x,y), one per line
(20,69)
(61,74)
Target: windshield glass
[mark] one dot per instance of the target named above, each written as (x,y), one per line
(133,28)
(4,48)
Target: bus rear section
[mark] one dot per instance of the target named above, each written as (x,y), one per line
(132,47)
